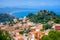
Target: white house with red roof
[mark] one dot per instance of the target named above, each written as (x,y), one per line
(56,27)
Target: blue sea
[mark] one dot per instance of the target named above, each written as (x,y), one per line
(23,13)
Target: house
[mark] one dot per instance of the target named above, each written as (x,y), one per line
(15,20)
(39,26)
(35,34)
(18,36)
(25,36)
(24,19)
(56,27)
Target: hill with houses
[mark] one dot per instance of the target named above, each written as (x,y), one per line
(41,26)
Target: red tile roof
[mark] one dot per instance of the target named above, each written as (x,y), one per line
(57,27)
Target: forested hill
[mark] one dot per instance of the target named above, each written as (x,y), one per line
(43,16)
(6,18)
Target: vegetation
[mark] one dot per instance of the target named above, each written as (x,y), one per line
(21,32)
(24,31)
(4,35)
(57,20)
(45,37)
(43,16)
(6,18)
(52,35)
(47,26)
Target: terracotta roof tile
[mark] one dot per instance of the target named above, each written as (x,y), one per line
(57,27)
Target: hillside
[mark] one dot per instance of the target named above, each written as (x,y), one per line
(43,16)
(6,18)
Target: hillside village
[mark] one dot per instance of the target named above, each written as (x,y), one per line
(29,19)
(31,27)
(24,29)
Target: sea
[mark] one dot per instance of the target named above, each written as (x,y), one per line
(23,13)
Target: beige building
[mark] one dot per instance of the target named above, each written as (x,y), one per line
(15,20)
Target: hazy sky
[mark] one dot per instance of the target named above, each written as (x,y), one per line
(29,3)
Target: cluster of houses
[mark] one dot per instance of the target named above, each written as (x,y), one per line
(35,33)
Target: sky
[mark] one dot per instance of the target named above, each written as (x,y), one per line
(53,5)
(29,3)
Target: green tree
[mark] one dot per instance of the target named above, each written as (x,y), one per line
(21,32)
(4,35)
(45,37)
(47,26)
(52,35)
(57,20)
